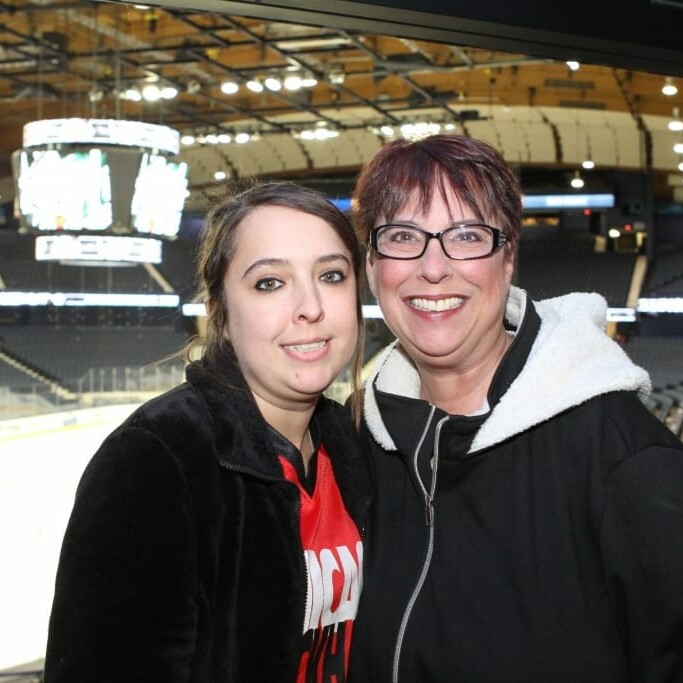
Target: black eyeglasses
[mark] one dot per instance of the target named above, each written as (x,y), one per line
(462,242)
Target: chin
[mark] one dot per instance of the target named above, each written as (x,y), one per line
(312,387)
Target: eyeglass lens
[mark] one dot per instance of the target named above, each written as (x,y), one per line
(461,242)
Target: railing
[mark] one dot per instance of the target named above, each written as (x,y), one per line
(100,386)
(149,379)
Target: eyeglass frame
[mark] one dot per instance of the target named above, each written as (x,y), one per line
(499,239)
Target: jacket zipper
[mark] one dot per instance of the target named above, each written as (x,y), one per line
(429,522)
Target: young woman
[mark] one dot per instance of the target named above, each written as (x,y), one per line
(216,534)
(527,524)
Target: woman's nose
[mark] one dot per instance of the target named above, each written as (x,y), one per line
(309,306)
(434,264)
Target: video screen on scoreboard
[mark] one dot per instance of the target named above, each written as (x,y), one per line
(99,189)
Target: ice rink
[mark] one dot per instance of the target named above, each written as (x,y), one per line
(41,461)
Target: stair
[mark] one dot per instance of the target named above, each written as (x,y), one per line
(50,383)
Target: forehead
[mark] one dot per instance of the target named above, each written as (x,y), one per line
(284,232)
(446,205)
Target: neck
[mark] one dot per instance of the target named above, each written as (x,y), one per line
(462,391)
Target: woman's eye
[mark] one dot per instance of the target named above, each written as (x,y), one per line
(333,276)
(469,236)
(268,284)
(404,236)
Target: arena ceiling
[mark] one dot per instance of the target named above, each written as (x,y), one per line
(68,58)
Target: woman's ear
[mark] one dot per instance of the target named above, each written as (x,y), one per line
(370,272)
(509,263)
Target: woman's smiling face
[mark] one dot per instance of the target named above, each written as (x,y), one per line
(446,313)
(291,299)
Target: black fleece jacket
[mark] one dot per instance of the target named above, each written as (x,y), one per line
(554,554)
(182,559)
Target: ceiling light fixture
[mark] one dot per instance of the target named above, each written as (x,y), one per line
(132,95)
(319,132)
(273,84)
(255,85)
(669,88)
(577,181)
(151,92)
(293,83)
(675,125)
(588,162)
(229,87)
(336,76)
(420,129)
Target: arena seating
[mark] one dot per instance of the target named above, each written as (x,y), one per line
(552,262)
(665,275)
(21,272)
(116,348)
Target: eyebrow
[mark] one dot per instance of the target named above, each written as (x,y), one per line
(267,262)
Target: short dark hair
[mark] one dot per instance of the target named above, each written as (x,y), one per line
(471,168)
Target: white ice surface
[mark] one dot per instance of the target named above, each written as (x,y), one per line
(41,462)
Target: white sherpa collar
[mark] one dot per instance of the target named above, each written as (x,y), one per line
(571,361)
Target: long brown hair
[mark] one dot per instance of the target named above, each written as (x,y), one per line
(217,247)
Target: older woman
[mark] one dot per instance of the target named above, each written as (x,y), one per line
(528,520)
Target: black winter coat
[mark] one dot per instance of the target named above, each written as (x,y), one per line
(540,541)
(182,559)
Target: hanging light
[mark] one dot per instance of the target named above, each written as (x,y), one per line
(588,162)
(675,125)
(577,181)
(273,84)
(336,75)
(151,92)
(669,88)
(132,95)
(229,87)
(255,85)
(293,83)
(168,92)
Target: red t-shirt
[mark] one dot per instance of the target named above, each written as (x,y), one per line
(333,552)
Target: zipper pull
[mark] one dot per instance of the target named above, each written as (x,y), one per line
(429,512)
